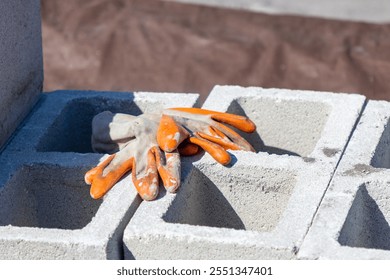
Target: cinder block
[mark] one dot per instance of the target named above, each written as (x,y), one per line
(353,219)
(262,204)
(46,211)
(21,70)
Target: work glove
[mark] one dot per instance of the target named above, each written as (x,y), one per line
(191,128)
(150,144)
(131,141)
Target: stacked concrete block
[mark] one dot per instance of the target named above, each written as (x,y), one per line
(261,205)
(21,70)
(46,211)
(353,220)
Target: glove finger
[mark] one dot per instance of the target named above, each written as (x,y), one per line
(102,183)
(226,144)
(100,147)
(169,134)
(240,122)
(216,133)
(237,121)
(234,136)
(146,181)
(216,151)
(111,132)
(108,127)
(169,169)
(188,149)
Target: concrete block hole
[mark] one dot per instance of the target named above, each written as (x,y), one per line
(283,126)
(47,196)
(381,158)
(367,223)
(71,131)
(238,201)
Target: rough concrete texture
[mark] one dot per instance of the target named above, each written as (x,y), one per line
(21,70)
(46,211)
(262,204)
(353,219)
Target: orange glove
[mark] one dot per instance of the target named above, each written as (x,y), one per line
(149,144)
(193,127)
(133,140)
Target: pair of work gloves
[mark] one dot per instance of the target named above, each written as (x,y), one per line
(151,144)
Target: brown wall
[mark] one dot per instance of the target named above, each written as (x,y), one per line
(166,46)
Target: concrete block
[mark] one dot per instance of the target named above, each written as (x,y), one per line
(261,205)
(353,219)
(46,211)
(21,70)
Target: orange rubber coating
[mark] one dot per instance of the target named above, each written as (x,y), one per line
(223,143)
(234,136)
(217,133)
(147,186)
(169,173)
(240,122)
(100,184)
(188,149)
(216,151)
(169,134)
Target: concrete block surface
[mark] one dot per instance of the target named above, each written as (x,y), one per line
(353,219)
(46,211)
(21,66)
(261,205)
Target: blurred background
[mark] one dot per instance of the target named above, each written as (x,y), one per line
(192,45)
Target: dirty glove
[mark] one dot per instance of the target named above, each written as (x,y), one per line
(133,141)
(190,128)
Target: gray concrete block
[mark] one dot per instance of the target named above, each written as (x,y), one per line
(46,211)
(21,70)
(353,219)
(262,204)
